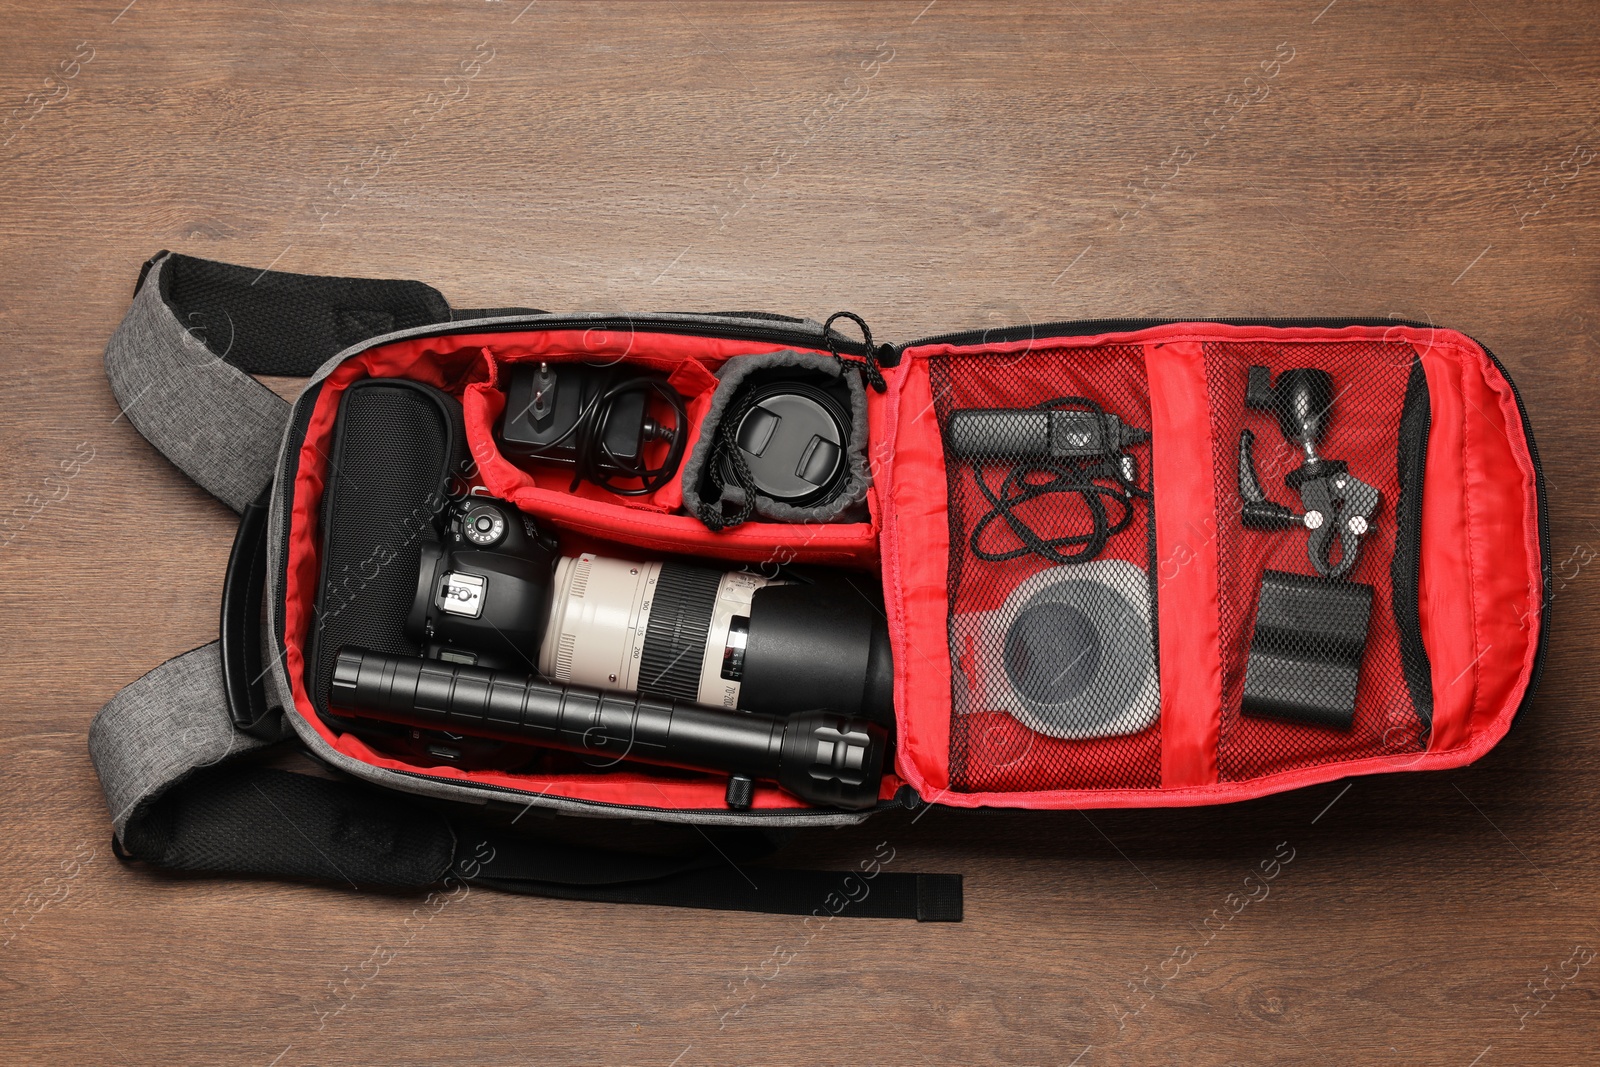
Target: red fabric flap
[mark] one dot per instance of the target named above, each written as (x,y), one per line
(1479,573)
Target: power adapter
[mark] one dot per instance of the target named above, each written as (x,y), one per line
(544,404)
(594,418)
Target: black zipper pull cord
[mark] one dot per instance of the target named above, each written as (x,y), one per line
(869,366)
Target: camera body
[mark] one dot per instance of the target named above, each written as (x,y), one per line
(483,593)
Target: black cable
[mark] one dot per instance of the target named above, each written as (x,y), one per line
(1110,477)
(593,459)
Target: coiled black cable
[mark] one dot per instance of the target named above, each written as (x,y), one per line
(1107,479)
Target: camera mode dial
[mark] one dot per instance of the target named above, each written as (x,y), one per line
(484,525)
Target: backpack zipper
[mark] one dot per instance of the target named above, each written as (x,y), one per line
(1089,327)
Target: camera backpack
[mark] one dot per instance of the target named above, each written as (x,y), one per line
(1123,563)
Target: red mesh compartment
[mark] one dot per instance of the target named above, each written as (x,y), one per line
(1370,382)
(1033,636)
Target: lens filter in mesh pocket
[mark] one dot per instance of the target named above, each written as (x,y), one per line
(1069,654)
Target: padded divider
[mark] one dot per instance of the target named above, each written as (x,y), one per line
(916,550)
(1186,565)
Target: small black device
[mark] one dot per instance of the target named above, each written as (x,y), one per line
(819,756)
(1305,655)
(595,419)
(1066,445)
(1051,431)
(1310,631)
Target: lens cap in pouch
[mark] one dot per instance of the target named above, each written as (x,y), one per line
(793,438)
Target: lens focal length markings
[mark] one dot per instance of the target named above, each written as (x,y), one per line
(723,667)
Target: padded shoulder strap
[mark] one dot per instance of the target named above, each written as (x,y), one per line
(162,728)
(180,364)
(183,798)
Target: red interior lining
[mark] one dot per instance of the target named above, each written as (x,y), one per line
(1486,552)
(458,364)
(645,522)
(1480,570)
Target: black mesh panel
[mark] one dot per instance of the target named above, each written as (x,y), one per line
(270,322)
(390,463)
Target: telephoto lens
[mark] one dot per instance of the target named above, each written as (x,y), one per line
(727,639)
(820,757)
(664,628)
(494,594)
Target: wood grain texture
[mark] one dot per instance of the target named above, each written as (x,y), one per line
(930,166)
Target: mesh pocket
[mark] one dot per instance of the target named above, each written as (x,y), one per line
(393,455)
(269,322)
(1269,591)
(1051,584)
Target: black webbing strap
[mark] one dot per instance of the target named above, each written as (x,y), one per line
(924,897)
(459,314)
(245,819)
(720,880)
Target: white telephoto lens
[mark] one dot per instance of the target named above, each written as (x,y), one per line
(661,628)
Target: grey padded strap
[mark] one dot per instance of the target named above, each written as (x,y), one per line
(162,728)
(217,424)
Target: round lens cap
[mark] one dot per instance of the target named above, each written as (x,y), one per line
(793,439)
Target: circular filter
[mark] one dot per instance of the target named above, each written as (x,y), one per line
(1076,649)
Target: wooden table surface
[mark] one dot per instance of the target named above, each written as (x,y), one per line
(930,166)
